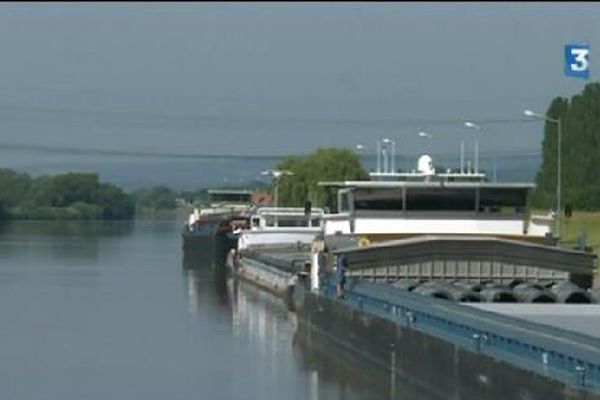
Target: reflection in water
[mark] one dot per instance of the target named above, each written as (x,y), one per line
(69,250)
(202,286)
(336,364)
(65,240)
(260,323)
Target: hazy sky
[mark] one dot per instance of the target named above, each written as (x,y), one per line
(282,78)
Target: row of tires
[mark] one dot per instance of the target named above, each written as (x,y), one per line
(516,292)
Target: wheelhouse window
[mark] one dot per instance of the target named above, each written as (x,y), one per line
(433,199)
(440,199)
(506,200)
(379,204)
(378,200)
(343,201)
(231,197)
(283,221)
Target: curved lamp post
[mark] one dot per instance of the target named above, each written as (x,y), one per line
(556,121)
(473,125)
(276,174)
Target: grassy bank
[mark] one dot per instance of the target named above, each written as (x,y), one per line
(588,222)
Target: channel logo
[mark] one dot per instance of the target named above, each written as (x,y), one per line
(577,60)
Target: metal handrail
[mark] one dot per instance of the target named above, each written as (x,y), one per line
(566,356)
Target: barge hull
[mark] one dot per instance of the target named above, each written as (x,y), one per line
(410,354)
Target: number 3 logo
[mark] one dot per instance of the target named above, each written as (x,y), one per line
(577,60)
(582,62)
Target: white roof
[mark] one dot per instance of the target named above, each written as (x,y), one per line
(418,184)
(288,211)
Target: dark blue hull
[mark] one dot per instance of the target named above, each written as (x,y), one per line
(207,248)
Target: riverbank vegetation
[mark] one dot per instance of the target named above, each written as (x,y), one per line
(580,124)
(71,196)
(81,196)
(582,223)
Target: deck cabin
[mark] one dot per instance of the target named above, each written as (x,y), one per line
(385,210)
(281,225)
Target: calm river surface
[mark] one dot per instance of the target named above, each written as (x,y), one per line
(107,311)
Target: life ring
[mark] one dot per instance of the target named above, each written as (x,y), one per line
(363,241)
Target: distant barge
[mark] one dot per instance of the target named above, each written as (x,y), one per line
(209,233)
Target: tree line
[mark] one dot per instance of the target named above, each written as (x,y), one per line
(325,164)
(580,120)
(66,196)
(81,196)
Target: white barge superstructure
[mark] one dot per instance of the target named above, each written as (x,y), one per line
(426,203)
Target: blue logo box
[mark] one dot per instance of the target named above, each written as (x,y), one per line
(577,60)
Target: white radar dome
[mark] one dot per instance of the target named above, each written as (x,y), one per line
(425,165)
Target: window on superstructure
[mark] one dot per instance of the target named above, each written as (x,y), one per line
(344,204)
(428,199)
(292,222)
(378,200)
(378,204)
(503,200)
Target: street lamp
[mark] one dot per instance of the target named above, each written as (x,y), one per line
(389,163)
(473,125)
(276,174)
(425,135)
(556,121)
(387,148)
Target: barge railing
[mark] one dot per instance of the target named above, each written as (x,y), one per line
(567,356)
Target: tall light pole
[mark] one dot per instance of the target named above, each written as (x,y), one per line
(378,156)
(425,135)
(276,174)
(388,160)
(473,125)
(557,121)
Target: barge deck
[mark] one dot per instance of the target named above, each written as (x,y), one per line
(517,335)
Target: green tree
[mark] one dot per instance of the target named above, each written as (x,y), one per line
(159,197)
(325,164)
(65,196)
(14,187)
(580,119)
(113,202)
(65,189)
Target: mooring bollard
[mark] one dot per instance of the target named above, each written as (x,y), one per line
(580,373)
(479,340)
(316,247)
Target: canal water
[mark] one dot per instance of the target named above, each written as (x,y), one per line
(94,310)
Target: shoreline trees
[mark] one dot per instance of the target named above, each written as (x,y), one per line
(325,164)
(580,119)
(70,196)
